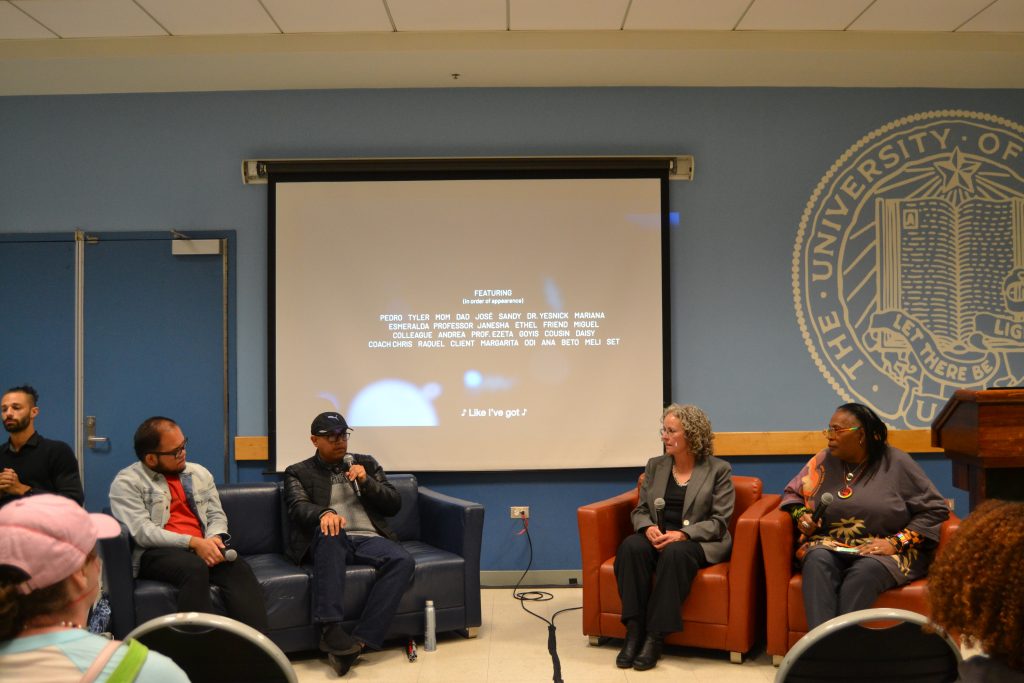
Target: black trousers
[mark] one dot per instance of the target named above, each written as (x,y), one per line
(242,595)
(836,583)
(673,570)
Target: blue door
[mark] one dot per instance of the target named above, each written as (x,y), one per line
(155,343)
(37,288)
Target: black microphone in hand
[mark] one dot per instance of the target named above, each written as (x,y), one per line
(826,500)
(659,513)
(348,461)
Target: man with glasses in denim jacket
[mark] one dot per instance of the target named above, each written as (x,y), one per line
(337,503)
(173,512)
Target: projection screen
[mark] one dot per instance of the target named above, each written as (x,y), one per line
(470,324)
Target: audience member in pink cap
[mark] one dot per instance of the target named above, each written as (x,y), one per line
(49,578)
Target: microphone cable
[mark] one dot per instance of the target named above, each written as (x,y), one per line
(540,596)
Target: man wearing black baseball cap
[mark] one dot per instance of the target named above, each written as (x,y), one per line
(337,503)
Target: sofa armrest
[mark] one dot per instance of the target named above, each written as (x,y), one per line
(746,601)
(120,584)
(602,526)
(457,526)
(777,537)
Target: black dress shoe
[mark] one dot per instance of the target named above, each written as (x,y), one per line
(342,663)
(634,638)
(650,653)
(335,640)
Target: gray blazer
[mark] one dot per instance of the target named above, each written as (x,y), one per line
(707,508)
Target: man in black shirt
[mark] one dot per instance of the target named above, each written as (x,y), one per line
(30,464)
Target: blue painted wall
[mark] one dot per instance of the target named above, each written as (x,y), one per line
(160,161)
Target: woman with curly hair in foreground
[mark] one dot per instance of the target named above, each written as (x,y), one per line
(976,589)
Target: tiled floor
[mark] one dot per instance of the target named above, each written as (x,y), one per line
(512,648)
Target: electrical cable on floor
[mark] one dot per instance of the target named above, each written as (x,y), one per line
(541,596)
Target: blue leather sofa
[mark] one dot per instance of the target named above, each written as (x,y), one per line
(442,533)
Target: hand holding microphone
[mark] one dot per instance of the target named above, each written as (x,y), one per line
(807,527)
(348,461)
(659,513)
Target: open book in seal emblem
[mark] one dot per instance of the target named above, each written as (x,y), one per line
(908,267)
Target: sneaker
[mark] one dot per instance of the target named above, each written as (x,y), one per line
(335,640)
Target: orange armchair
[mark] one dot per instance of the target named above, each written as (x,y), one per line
(784,586)
(726,604)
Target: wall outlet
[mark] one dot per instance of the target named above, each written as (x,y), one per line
(519,512)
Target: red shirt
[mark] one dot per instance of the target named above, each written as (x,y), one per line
(182,520)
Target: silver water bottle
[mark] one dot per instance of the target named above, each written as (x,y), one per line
(430,634)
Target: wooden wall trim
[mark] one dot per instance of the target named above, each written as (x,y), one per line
(809,443)
(726,443)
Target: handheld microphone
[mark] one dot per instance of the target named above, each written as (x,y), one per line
(826,500)
(659,513)
(348,461)
(230,554)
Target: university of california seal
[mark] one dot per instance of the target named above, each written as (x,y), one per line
(908,267)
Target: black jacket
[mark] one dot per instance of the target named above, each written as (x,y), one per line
(307,493)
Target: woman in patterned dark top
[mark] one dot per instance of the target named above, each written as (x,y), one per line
(878,526)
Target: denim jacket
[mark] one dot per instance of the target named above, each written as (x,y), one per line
(141,499)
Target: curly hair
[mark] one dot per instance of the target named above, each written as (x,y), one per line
(976,586)
(696,428)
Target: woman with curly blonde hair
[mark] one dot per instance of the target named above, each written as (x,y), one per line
(696,492)
(976,589)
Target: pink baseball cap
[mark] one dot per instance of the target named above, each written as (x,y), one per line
(48,537)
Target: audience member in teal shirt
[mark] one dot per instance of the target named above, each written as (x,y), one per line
(49,578)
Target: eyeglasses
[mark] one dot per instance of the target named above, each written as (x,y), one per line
(833,432)
(665,430)
(339,437)
(176,452)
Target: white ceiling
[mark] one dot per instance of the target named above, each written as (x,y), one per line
(74,46)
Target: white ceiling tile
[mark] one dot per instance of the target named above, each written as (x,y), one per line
(448,15)
(92,18)
(15,24)
(685,15)
(210,17)
(567,15)
(801,15)
(917,15)
(329,16)
(1002,16)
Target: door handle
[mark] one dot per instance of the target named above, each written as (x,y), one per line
(90,432)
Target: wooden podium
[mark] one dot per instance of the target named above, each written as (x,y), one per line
(982,432)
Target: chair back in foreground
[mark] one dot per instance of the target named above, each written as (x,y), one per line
(214,648)
(847,649)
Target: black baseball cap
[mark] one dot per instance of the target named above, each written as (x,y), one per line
(328,423)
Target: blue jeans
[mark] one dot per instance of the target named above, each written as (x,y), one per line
(394,565)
